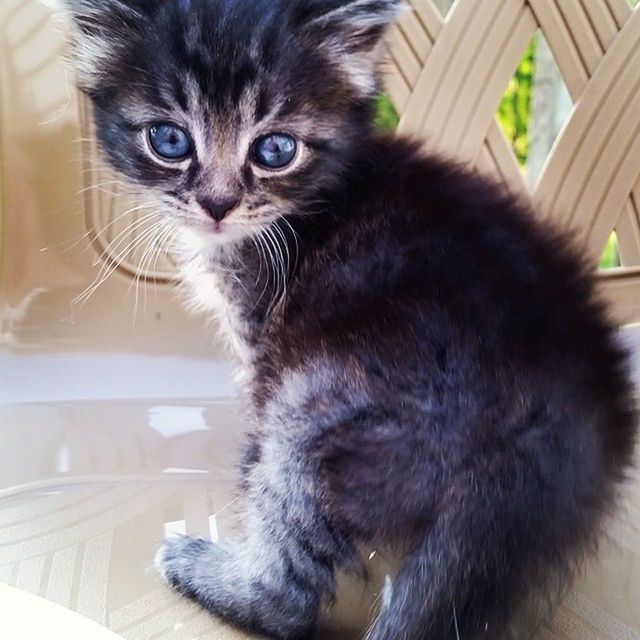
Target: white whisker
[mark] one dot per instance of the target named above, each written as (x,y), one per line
(106,270)
(98,235)
(455,621)
(277,267)
(295,238)
(114,261)
(153,235)
(133,226)
(259,244)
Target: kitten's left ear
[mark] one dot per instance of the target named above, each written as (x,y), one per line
(99,26)
(350,33)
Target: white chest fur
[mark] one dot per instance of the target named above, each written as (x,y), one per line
(206,291)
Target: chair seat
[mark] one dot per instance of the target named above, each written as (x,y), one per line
(84,506)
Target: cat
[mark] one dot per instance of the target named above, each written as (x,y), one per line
(429,366)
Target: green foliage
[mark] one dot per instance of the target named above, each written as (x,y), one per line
(386,117)
(611,255)
(514,112)
(514,115)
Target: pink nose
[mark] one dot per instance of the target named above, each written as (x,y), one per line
(218,210)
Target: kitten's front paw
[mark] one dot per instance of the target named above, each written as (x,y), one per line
(178,558)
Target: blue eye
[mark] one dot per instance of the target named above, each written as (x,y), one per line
(274,151)
(170,141)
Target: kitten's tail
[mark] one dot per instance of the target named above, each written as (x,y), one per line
(418,607)
(434,598)
(493,565)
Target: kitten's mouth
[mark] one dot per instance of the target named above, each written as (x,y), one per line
(207,226)
(216,227)
(216,232)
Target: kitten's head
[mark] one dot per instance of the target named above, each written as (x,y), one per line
(232,112)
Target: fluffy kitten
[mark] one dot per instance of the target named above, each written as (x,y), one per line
(429,366)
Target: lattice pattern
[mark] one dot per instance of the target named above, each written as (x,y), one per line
(446,78)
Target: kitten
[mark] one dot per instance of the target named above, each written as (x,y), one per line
(429,366)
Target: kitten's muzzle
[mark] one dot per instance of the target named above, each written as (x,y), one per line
(218,210)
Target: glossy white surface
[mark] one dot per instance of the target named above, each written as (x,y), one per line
(89,489)
(25,617)
(60,377)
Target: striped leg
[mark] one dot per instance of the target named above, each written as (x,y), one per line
(273,581)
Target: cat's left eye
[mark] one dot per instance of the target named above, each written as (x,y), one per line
(169,141)
(274,151)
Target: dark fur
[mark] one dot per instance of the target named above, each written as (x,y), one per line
(439,376)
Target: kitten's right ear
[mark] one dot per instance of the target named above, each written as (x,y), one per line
(97,27)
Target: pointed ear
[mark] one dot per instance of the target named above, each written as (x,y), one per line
(350,33)
(98,28)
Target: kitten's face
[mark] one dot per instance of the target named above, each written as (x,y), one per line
(232,113)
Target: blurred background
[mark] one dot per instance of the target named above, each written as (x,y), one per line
(532,111)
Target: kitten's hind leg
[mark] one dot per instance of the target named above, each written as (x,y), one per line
(274,580)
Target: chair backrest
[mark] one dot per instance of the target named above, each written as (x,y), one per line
(446,78)
(65,222)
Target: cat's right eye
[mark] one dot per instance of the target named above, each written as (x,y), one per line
(169,141)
